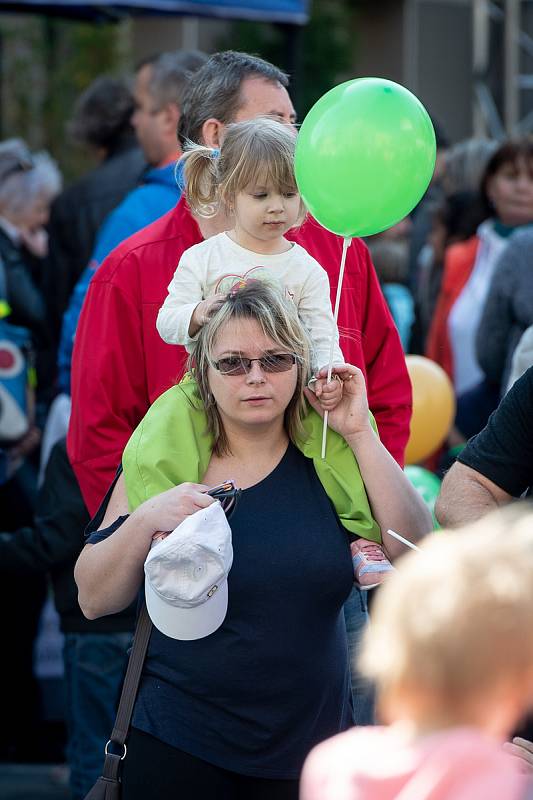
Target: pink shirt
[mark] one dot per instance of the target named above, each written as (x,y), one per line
(386,764)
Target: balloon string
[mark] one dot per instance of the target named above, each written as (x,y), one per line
(345,245)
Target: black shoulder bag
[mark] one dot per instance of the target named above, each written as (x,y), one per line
(108,786)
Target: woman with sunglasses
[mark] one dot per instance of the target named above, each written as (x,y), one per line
(233,715)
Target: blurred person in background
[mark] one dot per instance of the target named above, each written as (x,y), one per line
(28,184)
(465,163)
(94,652)
(158,91)
(522,358)
(507,204)
(101,123)
(390,258)
(159,86)
(456,219)
(454,214)
(421,216)
(508,312)
(390,255)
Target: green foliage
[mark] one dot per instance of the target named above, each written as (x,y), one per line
(46,63)
(325,48)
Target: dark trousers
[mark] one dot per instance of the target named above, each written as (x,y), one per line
(154,770)
(94,668)
(21,601)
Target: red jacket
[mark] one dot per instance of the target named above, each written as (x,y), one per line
(120,364)
(459,261)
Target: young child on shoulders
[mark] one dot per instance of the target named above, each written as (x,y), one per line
(251,180)
(450,650)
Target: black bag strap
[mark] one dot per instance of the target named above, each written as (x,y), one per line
(128,694)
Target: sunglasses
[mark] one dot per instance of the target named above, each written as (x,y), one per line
(238,365)
(227,494)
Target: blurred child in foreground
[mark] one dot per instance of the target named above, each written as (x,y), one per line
(451,652)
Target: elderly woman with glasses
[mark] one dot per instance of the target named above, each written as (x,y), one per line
(28,184)
(234,714)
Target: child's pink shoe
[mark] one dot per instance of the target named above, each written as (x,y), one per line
(370,563)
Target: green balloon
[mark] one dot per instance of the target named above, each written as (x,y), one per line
(365,156)
(427,485)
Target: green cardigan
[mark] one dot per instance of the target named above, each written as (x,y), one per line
(171,445)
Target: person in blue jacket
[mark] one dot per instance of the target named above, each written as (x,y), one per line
(159,86)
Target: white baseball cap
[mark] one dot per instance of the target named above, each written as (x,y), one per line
(186,575)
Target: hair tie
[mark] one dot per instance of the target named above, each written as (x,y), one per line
(242,283)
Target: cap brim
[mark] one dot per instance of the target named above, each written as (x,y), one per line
(187,624)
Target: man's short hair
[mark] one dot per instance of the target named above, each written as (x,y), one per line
(170,74)
(216,90)
(102,113)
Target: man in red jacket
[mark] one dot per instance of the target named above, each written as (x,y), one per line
(120,364)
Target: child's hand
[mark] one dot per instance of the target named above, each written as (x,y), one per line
(350,418)
(204,311)
(329,394)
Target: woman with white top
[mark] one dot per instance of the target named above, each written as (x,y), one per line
(507,197)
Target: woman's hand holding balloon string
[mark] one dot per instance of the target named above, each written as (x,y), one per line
(395,503)
(350,417)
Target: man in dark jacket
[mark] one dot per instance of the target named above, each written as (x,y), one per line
(101,121)
(95,652)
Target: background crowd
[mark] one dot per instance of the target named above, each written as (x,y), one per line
(454,275)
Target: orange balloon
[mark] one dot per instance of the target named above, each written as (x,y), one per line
(433,408)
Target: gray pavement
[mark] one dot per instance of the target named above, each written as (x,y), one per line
(34,782)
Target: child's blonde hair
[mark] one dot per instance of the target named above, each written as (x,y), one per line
(456,618)
(257,152)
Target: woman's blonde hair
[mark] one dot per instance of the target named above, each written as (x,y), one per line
(278,319)
(457,617)
(257,152)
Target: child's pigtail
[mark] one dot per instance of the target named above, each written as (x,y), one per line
(201,179)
